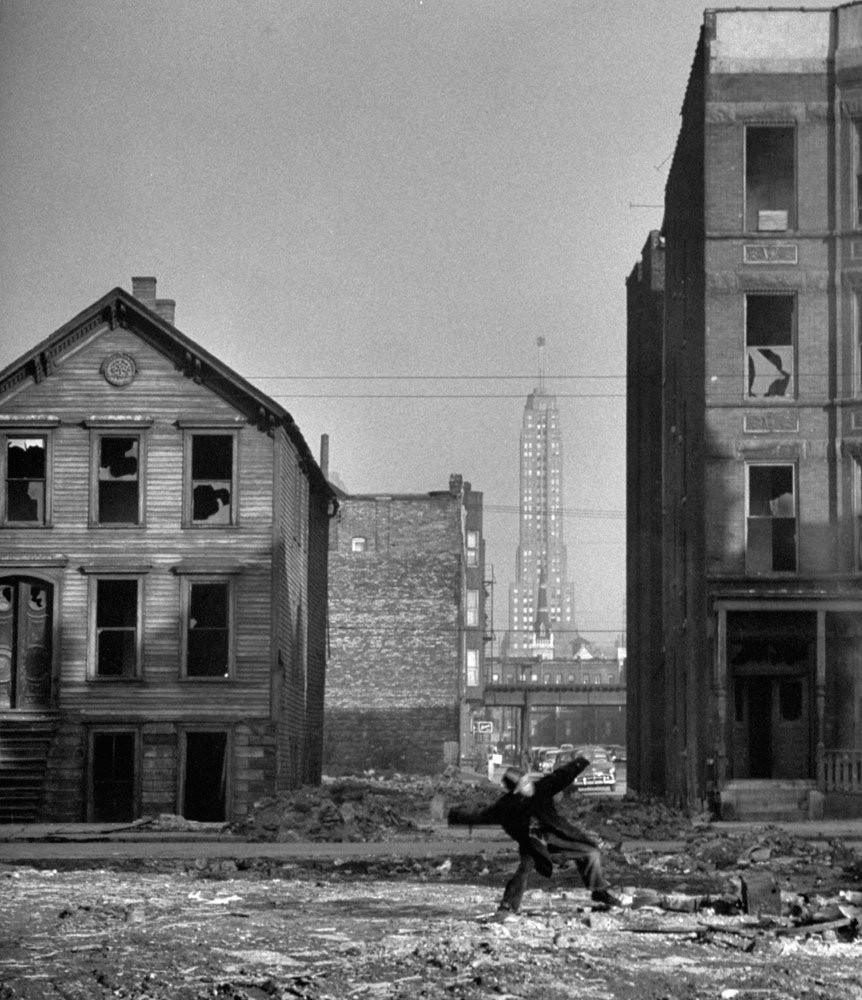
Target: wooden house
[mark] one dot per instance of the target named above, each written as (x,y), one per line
(163,577)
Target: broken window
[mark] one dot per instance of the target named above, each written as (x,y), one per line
(26,480)
(113,777)
(116,638)
(212,479)
(770,178)
(118,491)
(208,629)
(769,345)
(204,776)
(771,538)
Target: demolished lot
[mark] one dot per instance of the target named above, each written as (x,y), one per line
(748,913)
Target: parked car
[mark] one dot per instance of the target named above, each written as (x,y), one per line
(600,774)
(538,757)
(616,753)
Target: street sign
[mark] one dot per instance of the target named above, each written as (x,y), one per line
(481,726)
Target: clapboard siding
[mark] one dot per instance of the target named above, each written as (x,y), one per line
(263,706)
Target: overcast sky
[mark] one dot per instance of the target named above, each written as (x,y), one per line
(361,189)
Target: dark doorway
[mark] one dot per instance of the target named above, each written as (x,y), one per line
(772,662)
(205,778)
(113,777)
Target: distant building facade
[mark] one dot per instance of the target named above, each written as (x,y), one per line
(745,691)
(407,630)
(541,561)
(163,577)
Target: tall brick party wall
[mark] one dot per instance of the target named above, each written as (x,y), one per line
(396,593)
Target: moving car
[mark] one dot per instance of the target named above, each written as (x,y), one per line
(600,774)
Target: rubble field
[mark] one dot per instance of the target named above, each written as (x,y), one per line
(758,915)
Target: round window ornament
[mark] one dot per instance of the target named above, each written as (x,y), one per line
(119,369)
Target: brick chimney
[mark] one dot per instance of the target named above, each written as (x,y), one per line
(144,290)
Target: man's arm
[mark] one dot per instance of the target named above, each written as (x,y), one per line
(466,816)
(557,780)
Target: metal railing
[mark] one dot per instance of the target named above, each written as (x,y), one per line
(842,771)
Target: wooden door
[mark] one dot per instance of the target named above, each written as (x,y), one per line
(25,643)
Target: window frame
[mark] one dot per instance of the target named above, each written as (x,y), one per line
(472,669)
(472,536)
(793,387)
(190,432)
(359,543)
(471,608)
(752,225)
(98,433)
(22,431)
(187,581)
(101,576)
(856,193)
(750,567)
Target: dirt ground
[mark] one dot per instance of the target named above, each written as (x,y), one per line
(392,927)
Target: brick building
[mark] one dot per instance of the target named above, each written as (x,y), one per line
(407,629)
(163,577)
(746,689)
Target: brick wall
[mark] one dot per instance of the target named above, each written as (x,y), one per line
(394,673)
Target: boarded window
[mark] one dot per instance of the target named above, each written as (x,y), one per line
(771,541)
(25,480)
(205,776)
(770,178)
(113,791)
(116,628)
(119,480)
(212,479)
(769,345)
(208,630)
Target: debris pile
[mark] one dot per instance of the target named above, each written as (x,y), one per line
(350,809)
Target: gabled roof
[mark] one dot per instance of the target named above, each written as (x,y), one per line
(119,308)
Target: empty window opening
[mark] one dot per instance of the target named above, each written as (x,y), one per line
(212,478)
(208,630)
(25,643)
(769,342)
(113,790)
(205,776)
(771,540)
(118,491)
(25,480)
(770,178)
(116,628)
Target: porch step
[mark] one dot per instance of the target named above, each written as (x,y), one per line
(25,741)
(766,801)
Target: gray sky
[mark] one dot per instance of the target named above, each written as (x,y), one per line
(361,188)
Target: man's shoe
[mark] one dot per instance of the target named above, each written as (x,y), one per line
(605,897)
(501,916)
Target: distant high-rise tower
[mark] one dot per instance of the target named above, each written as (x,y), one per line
(541,558)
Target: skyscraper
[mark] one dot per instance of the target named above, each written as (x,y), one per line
(540,570)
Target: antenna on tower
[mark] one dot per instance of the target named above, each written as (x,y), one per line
(540,344)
